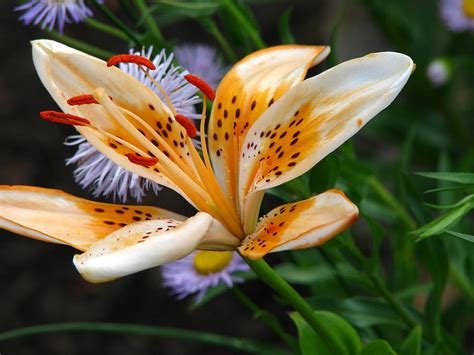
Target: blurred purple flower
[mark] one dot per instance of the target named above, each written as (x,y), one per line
(98,173)
(201,60)
(51,13)
(439,71)
(197,272)
(458,15)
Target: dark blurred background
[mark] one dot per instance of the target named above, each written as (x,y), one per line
(38,281)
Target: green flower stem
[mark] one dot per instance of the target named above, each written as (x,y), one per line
(244,23)
(381,288)
(245,345)
(116,21)
(149,21)
(210,26)
(269,319)
(294,299)
(391,201)
(98,52)
(105,28)
(392,301)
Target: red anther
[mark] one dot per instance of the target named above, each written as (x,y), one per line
(131,58)
(82,100)
(187,124)
(143,161)
(205,88)
(65,118)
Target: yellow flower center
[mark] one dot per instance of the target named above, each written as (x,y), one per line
(468,7)
(208,262)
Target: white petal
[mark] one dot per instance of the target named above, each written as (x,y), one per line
(142,246)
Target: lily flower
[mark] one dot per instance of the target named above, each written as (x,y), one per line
(267,126)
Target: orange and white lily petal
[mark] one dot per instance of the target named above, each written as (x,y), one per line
(314,118)
(57,217)
(301,225)
(247,90)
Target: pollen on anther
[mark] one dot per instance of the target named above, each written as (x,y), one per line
(85,99)
(187,124)
(131,58)
(143,161)
(204,87)
(65,118)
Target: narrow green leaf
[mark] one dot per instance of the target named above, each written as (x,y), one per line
(412,344)
(450,188)
(461,178)
(311,343)
(189,9)
(444,222)
(467,237)
(286,36)
(433,255)
(467,199)
(378,347)
(378,234)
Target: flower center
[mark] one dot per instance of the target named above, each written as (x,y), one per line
(208,262)
(468,7)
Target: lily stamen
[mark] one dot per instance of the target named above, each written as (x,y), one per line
(187,124)
(143,161)
(85,99)
(131,58)
(204,87)
(64,118)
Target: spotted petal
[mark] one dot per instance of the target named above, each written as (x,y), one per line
(134,114)
(141,246)
(247,90)
(317,116)
(301,225)
(57,217)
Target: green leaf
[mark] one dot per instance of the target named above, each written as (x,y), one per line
(433,255)
(286,36)
(362,312)
(412,344)
(444,222)
(467,199)
(467,237)
(189,9)
(378,234)
(378,347)
(450,188)
(461,178)
(324,175)
(357,170)
(308,275)
(311,343)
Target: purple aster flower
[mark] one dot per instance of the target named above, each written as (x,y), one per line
(458,15)
(52,13)
(439,71)
(197,272)
(98,173)
(201,60)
